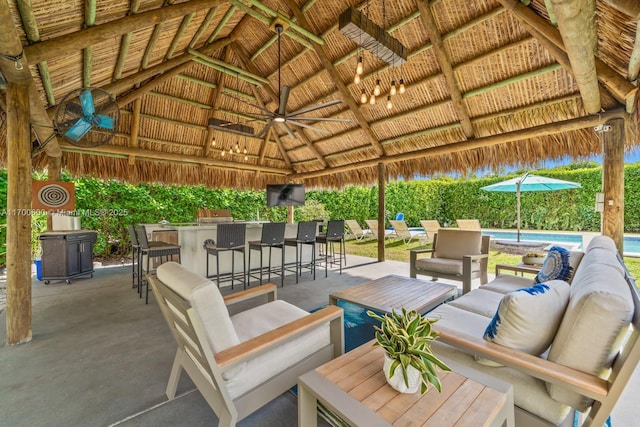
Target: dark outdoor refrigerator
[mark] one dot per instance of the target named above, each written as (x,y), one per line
(67,254)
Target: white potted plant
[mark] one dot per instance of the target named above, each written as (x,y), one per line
(409,360)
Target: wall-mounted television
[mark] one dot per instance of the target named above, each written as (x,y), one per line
(285,194)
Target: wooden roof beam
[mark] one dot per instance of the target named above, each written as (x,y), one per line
(628,7)
(60,46)
(17,72)
(634,61)
(621,89)
(533,132)
(577,25)
(203,27)
(444,61)
(335,76)
(125,152)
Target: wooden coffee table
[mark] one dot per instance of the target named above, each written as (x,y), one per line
(354,388)
(395,292)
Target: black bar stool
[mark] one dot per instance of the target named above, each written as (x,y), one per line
(135,249)
(335,233)
(230,237)
(272,237)
(156,250)
(306,236)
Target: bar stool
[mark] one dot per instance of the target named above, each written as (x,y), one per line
(135,249)
(158,249)
(306,236)
(272,237)
(230,237)
(335,233)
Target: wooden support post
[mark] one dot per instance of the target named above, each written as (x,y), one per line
(382,180)
(290,214)
(613,182)
(18,221)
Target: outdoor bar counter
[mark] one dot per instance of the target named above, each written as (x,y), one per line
(191,238)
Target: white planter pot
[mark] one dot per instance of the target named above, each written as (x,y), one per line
(397,379)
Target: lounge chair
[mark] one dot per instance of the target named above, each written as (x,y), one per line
(468,224)
(373,226)
(240,363)
(431,227)
(402,232)
(356,231)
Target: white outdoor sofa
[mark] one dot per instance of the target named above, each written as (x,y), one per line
(591,355)
(241,362)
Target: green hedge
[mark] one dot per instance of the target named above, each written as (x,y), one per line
(108,206)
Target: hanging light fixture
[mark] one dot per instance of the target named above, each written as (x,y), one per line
(213,141)
(377,90)
(363,97)
(393,89)
(389,102)
(372,100)
(356,79)
(402,87)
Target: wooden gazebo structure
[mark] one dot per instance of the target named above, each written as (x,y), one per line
(488,83)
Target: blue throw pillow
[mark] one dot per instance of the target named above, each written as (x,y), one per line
(556,266)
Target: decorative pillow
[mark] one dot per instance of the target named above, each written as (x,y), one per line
(527,319)
(556,266)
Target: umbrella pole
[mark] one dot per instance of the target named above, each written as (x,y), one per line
(518,209)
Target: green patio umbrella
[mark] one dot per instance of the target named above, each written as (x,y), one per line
(529,182)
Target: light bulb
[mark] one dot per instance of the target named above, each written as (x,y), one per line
(389,103)
(359,67)
(372,100)
(377,90)
(393,89)
(356,79)
(246,157)
(402,88)
(213,142)
(363,97)
(222,154)
(245,150)
(237,148)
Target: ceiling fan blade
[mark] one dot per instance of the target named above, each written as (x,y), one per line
(284,98)
(103,121)
(324,119)
(314,107)
(78,130)
(304,125)
(86,100)
(289,130)
(264,130)
(257,107)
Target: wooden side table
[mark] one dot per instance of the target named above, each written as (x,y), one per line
(354,388)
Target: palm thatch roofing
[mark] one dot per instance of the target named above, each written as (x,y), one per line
(488,83)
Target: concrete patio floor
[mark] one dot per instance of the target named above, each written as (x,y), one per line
(101,357)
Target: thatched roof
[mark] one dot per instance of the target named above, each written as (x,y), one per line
(489,83)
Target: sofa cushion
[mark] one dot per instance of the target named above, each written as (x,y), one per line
(204,296)
(480,301)
(256,321)
(455,244)
(527,319)
(505,283)
(557,266)
(444,265)
(598,315)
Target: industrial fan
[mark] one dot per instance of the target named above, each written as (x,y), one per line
(87,117)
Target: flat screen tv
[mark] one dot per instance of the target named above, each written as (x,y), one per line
(285,194)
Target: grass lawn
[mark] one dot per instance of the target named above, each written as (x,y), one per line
(398,251)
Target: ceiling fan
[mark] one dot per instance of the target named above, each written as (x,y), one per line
(295,118)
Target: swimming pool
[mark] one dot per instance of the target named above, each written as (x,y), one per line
(631,243)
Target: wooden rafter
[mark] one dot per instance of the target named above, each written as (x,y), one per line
(634,61)
(157,29)
(176,39)
(442,56)
(203,27)
(628,7)
(335,76)
(60,46)
(10,45)
(135,128)
(89,21)
(125,41)
(206,144)
(502,138)
(621,89)
(577,26)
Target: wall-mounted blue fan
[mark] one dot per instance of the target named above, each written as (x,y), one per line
(87,117)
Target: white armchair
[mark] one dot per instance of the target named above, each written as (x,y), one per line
(241,362)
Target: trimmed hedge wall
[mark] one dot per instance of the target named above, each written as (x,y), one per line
(108,206)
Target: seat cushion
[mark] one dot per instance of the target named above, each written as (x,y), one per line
(505,283)
(527,319)
(455,244)
(205,298)
(444,266)
(264,318)
(480,301)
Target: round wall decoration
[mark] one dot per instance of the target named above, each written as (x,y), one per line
(57,195)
